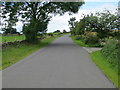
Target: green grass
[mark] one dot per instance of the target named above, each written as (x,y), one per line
(13,54)
(11,38)
(78,42)
(107,68)
(81,43)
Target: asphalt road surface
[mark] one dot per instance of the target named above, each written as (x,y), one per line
(62,64)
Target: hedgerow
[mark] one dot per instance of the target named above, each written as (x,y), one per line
(110,50)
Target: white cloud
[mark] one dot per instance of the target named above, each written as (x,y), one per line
(58,23)
(61,22)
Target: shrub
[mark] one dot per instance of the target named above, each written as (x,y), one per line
(80,37)
(50,34)
(40,35)
(110,50)
(91,38)
(77,37)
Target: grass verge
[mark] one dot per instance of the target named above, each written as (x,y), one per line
(107,69)
(12,54)
(78,42)
(81,43)
(11,38)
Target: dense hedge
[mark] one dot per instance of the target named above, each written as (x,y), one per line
(110,50)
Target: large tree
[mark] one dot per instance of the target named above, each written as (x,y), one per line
(36,15)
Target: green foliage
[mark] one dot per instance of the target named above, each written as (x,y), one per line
(31,30)
(111,51)
(72,32)
(110,71)
(91,38)
(50,34)
(102,23)
(12,54)
(72,23)
(40,35)
(86,42)
(37,14)
(9,30)
(30,35)
(79,42)
(80,27)
(78,37)
(10,19)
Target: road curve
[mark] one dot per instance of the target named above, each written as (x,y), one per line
(62,64)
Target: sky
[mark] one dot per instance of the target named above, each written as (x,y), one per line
(61,22)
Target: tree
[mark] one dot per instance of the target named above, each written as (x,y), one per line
(57,31)
(10,18)
(72,23)
(64,31)
(106,22)
(80,27)
(102,23)
(9,26)
(9,30)
(38,14)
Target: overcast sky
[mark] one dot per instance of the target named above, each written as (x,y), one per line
(61,22)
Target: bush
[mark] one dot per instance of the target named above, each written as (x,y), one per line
(110,50)
(80,37)
(50,34)
(77,37)
(91,38)
(40,35)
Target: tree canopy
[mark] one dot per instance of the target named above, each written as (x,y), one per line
(100,22)
(72,22)
(36,15)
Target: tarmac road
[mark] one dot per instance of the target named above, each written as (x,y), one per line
(62,64)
